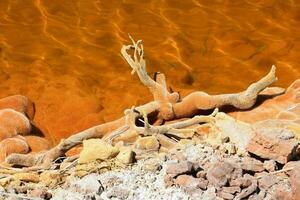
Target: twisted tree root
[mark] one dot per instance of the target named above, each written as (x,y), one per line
(166,106)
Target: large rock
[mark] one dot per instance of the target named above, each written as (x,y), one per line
(96,149)
(273,144)
(251,164)
(175,169)
(18,103)
(126,155)
(294,178)
(13,123)
(271,105)
(187,181)
(147,143)
(240,133)
(219,173)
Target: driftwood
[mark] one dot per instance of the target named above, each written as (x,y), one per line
(165,106)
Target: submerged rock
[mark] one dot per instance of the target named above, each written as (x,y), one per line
(37,143)
(13,123)
(18,103)
(16,144)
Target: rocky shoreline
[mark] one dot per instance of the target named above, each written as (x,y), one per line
(228,159)
(189,171)
(252,154)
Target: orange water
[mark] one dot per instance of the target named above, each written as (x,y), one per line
(65,55)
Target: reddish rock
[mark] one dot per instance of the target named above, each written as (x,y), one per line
(176,155)
(240,182)
(251,164)
(269,146)
(219,173)
(147,143)
(270,165)
(13,145)
(225,195)
(13,123)
(247,191)
(295,183)
(19,103)
(294,175)
(169,180)
(274,106)
(292,165)
(267,181)
(175,169)
(284,195)
(231,190)
(187,181)
(37,143)
(237,173)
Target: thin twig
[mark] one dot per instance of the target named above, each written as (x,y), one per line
(277,172)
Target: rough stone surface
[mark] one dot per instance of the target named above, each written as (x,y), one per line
(285,106)
(152,165)
(126,155)
(247,191)
(175,169)
(187,181)
(295,183)
(270,165)
(294,175)
(267,181)
(269,146)
(231,190)
(50,178)
(219,173)
(96,149)
(225,195)
(251,164)
(147,143)
(240,133)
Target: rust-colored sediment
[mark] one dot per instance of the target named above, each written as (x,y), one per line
(66,56)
